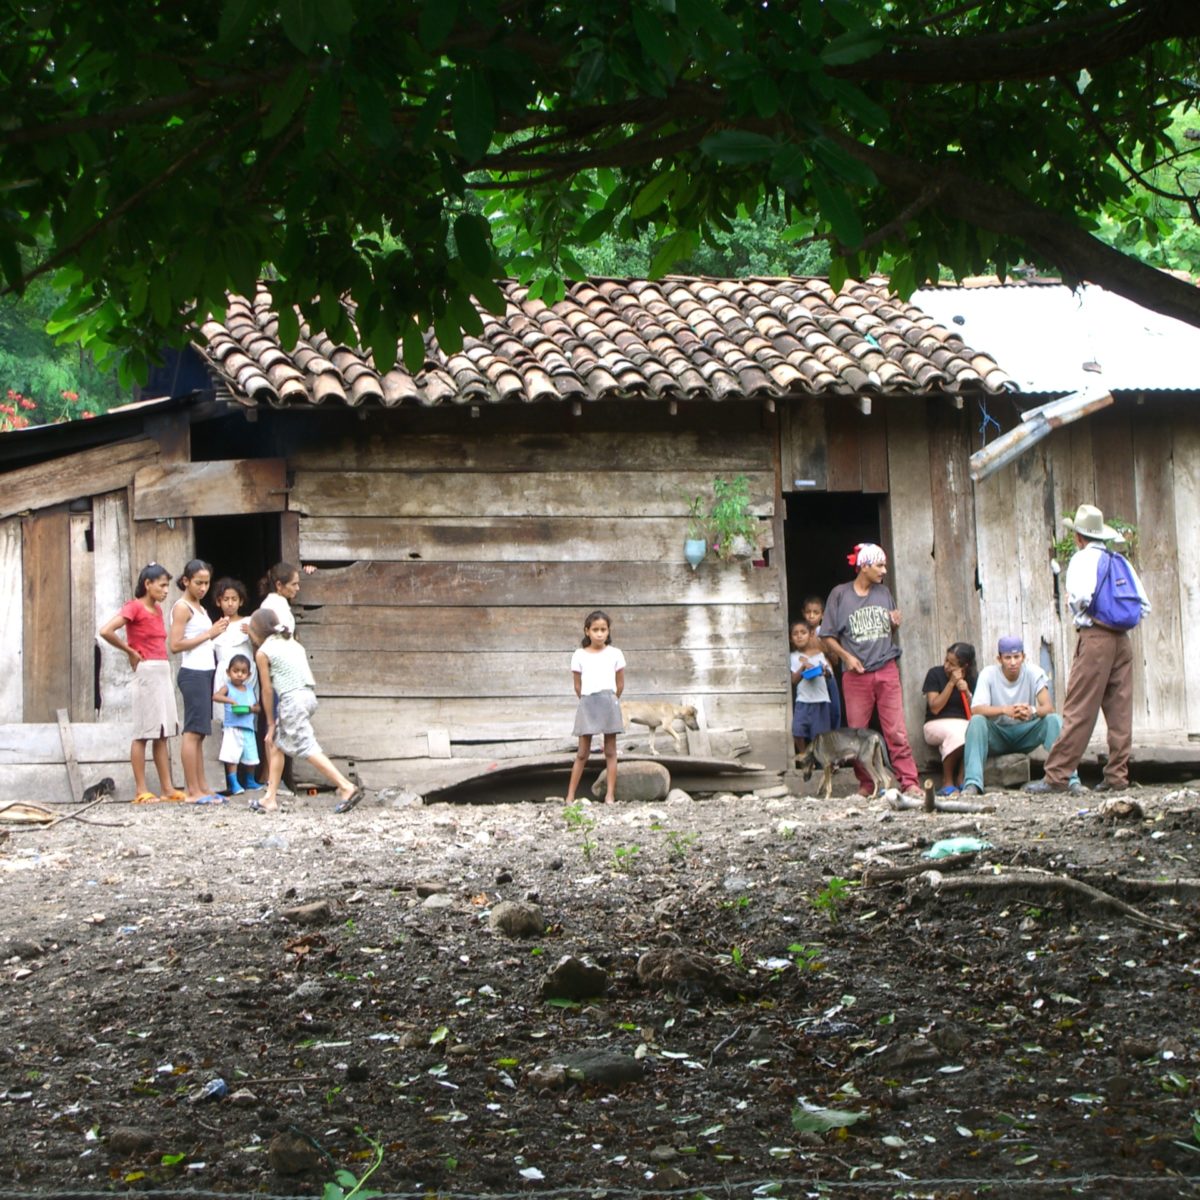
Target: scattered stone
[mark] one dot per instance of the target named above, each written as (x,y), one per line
(205,898)
(637,781)
(460,1050)
(1120,808)
(517,918)
(772,793)
(787,829)
(437,900)
(319,912)
(574,979)
(358,1072)
(684,970)
(555,864)
(548,1075)
(1183,795)
(663,1154)
(606,1068)
(736,883)
(308,991)
(428,887)
(1005,771)
(670,1177)
(1124,834)
(290,1154)
(19,948)
(398,797)
(243,1098)
(503,877)
(125,1140)
(678,796)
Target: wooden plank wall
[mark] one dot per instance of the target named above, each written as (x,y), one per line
(474,558)
(12,599)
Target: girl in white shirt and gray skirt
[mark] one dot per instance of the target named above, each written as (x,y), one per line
(598,671)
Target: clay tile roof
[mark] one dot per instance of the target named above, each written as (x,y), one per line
(671,339)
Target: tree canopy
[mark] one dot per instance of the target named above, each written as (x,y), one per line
(402,154)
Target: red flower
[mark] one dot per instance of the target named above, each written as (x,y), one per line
(27,403)
(87,414)
(71,397)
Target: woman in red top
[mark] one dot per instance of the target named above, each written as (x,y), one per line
(155,717)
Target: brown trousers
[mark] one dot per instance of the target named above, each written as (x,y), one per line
(1101,680)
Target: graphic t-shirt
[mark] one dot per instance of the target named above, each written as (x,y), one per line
(862,624)
(994,689)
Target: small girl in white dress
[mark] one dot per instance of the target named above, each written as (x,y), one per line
(598,671)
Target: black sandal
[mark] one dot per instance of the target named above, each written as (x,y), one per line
(350,801)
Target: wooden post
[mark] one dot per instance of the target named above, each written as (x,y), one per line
(68,748)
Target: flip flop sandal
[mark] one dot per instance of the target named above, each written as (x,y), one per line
(256,806)
(948,791)
(350,801)
(212,798)
(147,798)
(174,797)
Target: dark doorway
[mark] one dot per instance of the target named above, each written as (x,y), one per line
(821,529)
(243,546)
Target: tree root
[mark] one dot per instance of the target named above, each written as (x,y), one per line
(933,882)
(886,874)
(940,804)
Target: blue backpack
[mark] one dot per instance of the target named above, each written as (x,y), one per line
(1115,602)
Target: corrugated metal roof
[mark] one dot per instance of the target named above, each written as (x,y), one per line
(1052,339)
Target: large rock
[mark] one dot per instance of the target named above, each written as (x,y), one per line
(646,781)
(517,918)
(1006,770)
(574,978)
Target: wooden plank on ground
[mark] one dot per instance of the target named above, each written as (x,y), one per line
(843,421)
(912,563)
(804,446)
(496,539)
(227,487)
(457,672)
(47,612)
(1186,461)
(508,584)
(72,476)
(12,632)
(83,620)
(1158,640)
(664,493)
(114,582)
(953,513)
(640,627)
(66,738)
(706,450)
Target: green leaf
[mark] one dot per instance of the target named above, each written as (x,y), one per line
(738,146)
(333,1192)
(473,114)
(652,36)
(681,244)
(809,1118)
(467,314)
(449,339)
(346,1178)
(435,22)
(285,99)
(237,16)
(471,237)
(852,47)
(336,16)
(289,327)
(842,163)
(374,111)
(172,1160)
(765,95)
(488,294)
(324,115)
(838,209)
(414,347)
(299,20)
(652,195)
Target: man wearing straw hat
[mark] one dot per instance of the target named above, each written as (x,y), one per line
(1101,678)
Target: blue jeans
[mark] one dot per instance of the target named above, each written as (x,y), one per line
(986,736)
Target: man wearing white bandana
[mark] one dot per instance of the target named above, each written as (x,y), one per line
(860,618)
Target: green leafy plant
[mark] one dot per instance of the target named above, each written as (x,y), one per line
(832,896)
(805,957)
(578,820)
(623,856)
(346,1184)
(678,843)
(697,519)
(730,521)
(1065,546)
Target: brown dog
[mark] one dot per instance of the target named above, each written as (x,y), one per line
(660,716)
(841,747)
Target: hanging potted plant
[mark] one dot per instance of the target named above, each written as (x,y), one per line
(695,545)
(731,523)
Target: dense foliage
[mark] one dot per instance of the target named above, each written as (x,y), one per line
(404,153)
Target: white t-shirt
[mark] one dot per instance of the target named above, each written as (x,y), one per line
(995,690)
(274,602)
(599,670)
(201,657)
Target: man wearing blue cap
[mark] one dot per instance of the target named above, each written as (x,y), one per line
(1011,713)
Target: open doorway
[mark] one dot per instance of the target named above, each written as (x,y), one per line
(243,546)
(822,528)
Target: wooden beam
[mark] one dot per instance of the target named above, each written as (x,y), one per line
(47,612)
(228,487)
(12,635)
(74,779)
(114,581)
(83,620)
(73,476)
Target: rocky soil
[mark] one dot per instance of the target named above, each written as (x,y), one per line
(752,1009)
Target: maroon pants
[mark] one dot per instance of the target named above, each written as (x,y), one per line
(879,691)
(1101,680)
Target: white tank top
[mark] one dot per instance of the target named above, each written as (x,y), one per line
(202,657)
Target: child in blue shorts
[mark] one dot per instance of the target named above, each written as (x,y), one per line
(238,745)
(809,670)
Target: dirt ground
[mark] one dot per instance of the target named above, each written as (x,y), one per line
(823,1037)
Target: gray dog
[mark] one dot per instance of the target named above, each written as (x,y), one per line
(841,747)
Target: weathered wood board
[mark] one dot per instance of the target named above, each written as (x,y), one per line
(551,628)
(507,584)
(804,446)
(114,582)
(513,673)
(46,606)
(1186,461)
(82,680)
(73,476)
(496,539)
(206,489)
(12,625)
(510,494)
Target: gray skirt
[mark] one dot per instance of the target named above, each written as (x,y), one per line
(598,712)
(293,723)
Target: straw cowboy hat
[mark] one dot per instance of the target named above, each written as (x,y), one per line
(1089,523)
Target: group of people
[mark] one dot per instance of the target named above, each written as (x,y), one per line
(252,669)
(1004,708)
